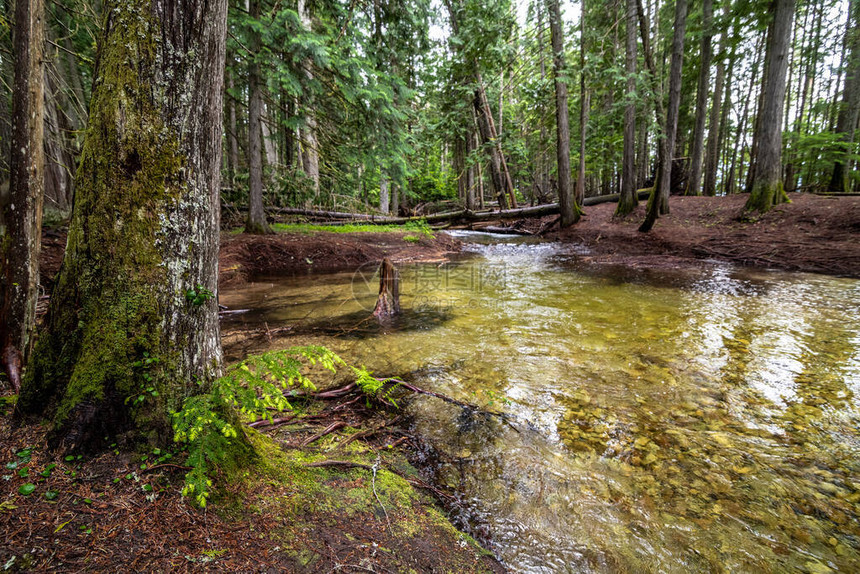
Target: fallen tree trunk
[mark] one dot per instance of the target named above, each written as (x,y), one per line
(344,218)
(489,215)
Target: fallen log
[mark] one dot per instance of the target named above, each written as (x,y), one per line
(489,215)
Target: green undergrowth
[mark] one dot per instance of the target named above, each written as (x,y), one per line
(414,227)
(252,478)
(210,424)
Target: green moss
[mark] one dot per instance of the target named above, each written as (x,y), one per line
(105,311)
(765,196)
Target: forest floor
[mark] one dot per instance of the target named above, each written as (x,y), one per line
(345,502)
(819,234)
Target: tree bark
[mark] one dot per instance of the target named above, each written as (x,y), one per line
(659,201)
(849,109)
(628,200)
(484,127)
(22,213)
(232,136)
(256,222)
(383,194)
(133,325)
(388,301)
(584,105)
(570,211)
(310,142)
(712,149)
(694,185)
(766,187)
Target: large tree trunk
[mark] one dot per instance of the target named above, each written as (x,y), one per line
(766,188)
(570,211)
(256,222)
(849,110)
(22,214)
(694,185)
(659,200)
(133,325)
(628,200)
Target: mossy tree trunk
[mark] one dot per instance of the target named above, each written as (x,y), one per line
(21,239)
(766,187)
(133,324)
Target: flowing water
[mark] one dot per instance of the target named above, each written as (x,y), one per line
(672,421)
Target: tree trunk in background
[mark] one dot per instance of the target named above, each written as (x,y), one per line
(659,200)
(496,174)
(470,171)
(628,200)
(383,194)
(570,211)
(59,160)
(584,104)
(269,145)
(395,199)
(694,185)
(256,222)
(712,150)
(135,305)
(22,214)
(766,188)
(849,109)
(310,143)
(232,136)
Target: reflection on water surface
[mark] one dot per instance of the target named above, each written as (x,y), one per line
(703,420)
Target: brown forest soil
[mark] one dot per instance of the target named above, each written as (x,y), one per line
(243,256)
(113,513)
(812,233)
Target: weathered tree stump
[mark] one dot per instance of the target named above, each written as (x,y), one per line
(388,302)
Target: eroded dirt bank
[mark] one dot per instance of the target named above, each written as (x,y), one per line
(243,256)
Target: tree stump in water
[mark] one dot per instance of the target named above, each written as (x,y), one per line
(388,302)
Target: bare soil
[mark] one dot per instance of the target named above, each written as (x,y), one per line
(813,233)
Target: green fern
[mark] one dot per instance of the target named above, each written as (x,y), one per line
(379,389)
(256,387)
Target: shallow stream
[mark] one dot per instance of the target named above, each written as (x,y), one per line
(686,420)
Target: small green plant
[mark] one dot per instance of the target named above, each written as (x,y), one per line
(380,389)
(207,422)
(144,368)
(411,238)
(198,296)
(256,387)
